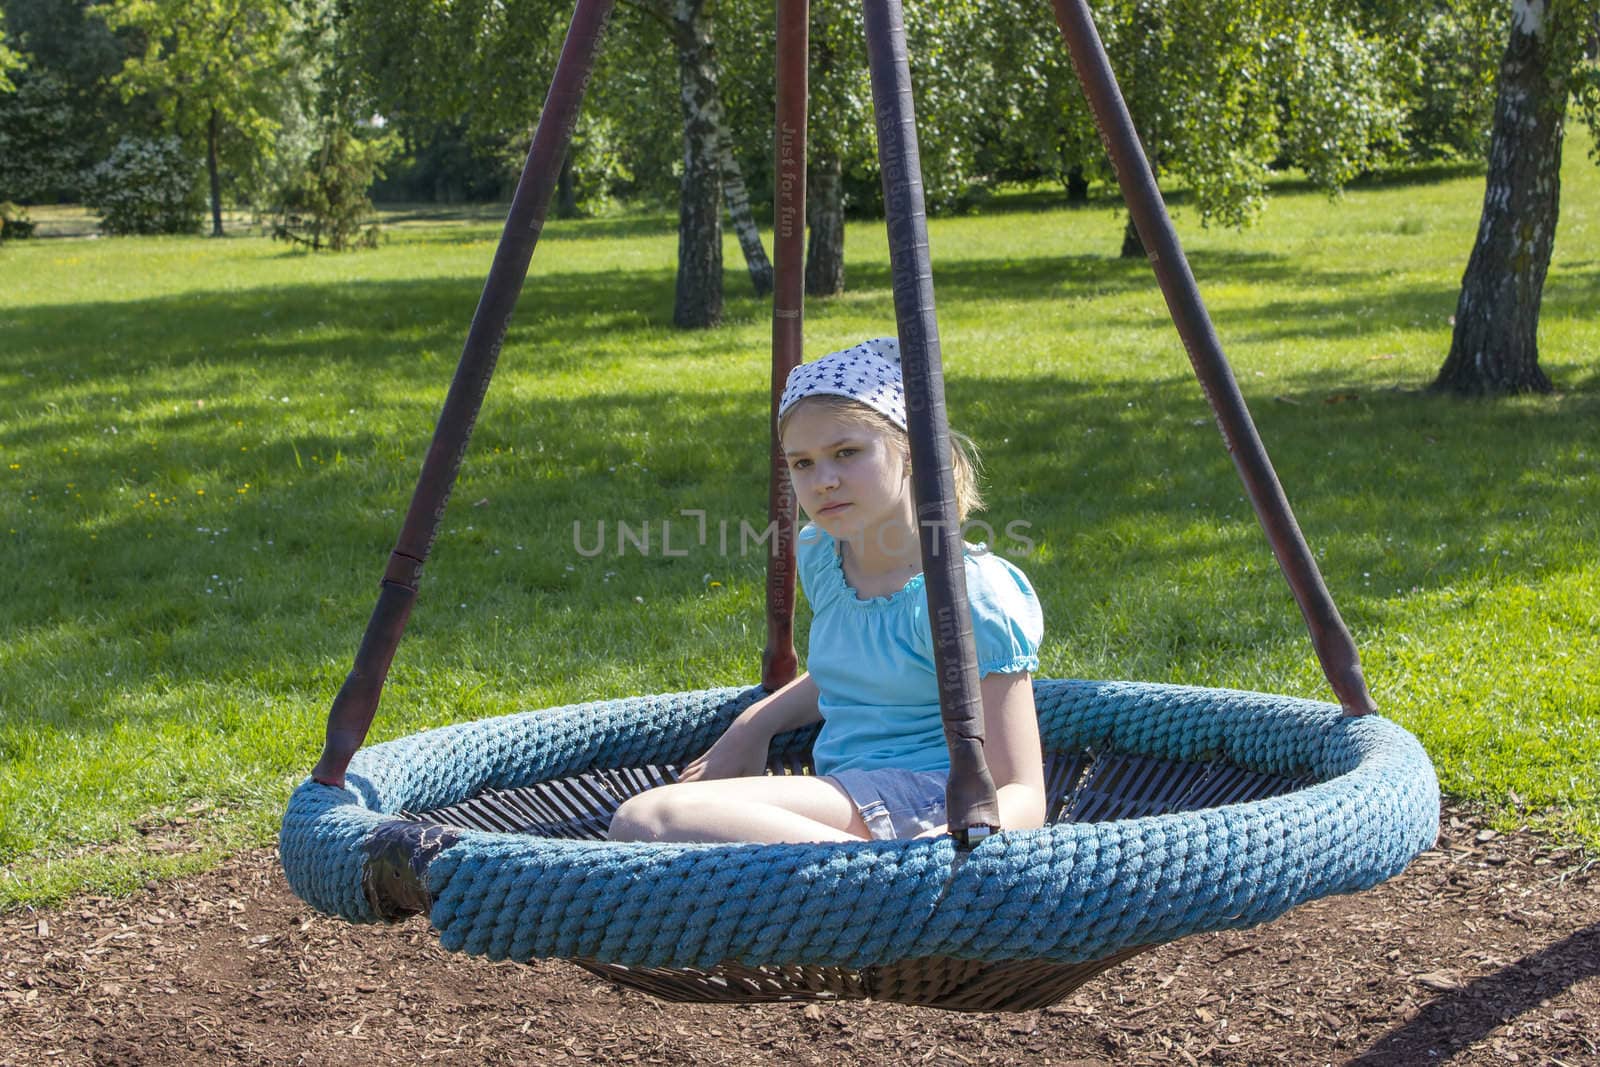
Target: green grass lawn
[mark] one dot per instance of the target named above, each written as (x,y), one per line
(207,447)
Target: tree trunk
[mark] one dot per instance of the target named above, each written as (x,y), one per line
(1495,347)
(1077,185)
(825,215)
(698,300)
(738,197)
(566,191)
(1132,246)
(213,135)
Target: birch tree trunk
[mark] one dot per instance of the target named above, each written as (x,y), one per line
(1495,346)
(1077,185)
(213,136)
(825,216)
(698,300)
(1132,243)
(566,191)
(738,198)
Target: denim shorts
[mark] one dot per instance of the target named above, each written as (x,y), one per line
(895,803)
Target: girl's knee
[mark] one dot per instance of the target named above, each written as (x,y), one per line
(684,811)
(638,818)
(665,813)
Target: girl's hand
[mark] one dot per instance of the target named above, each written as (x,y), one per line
(738,753)
(741,751)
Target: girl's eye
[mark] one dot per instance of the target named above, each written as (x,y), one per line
(846,453)
(800,464)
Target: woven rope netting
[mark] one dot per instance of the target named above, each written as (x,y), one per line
(1068,893)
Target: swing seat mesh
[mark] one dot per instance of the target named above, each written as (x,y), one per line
(1173,810)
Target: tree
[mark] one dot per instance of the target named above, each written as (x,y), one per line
(841,103)
(737,196)
(214,66)
(501,56)
(327,204)
(37,153)
(1495,347)
(1221,90)
(706,159)
(1439,65)
(953,59)
(9,60)
(146,185)
(64,117)
(12,218)
(711,175)
(697,298)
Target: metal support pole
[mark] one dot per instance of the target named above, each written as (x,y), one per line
(1329,636)
(974,810)
(778,661)
(357,701)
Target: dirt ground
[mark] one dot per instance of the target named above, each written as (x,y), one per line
(1486,951)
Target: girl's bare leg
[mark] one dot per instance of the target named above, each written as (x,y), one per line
(766,808)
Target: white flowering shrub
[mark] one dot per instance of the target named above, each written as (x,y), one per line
(147,185)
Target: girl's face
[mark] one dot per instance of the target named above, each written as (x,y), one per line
(851,478)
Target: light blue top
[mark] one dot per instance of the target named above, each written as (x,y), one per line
(873,659)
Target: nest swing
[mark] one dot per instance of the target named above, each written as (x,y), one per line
(1173,810)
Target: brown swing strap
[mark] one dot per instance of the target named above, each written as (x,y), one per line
(357,700)
(973,809)
(778,660)
(1329,637)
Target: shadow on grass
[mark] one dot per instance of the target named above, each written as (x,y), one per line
(570,319)
(1365,307)
(1127,490)
(490,218)
(393,323)
(400,213)
(1571,291)
(1452,1023)
(1046,278)
(1400,177)
(1017,201)
(652,225)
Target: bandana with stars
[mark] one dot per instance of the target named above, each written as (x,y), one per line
(869,374)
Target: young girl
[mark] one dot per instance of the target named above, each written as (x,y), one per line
(880,758)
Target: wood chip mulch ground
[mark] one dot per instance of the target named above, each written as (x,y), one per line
(1486,951)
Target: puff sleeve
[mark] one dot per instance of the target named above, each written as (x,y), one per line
(813,558)
(1007,623)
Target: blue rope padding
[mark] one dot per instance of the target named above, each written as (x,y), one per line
(1067,892)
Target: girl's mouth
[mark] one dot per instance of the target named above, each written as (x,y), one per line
(830,509)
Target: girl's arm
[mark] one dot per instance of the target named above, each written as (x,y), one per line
(1011,746)
(1012,749)
(742,749)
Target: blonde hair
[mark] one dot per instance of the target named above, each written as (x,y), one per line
(963,453)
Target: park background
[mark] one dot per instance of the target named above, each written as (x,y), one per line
(208,442)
